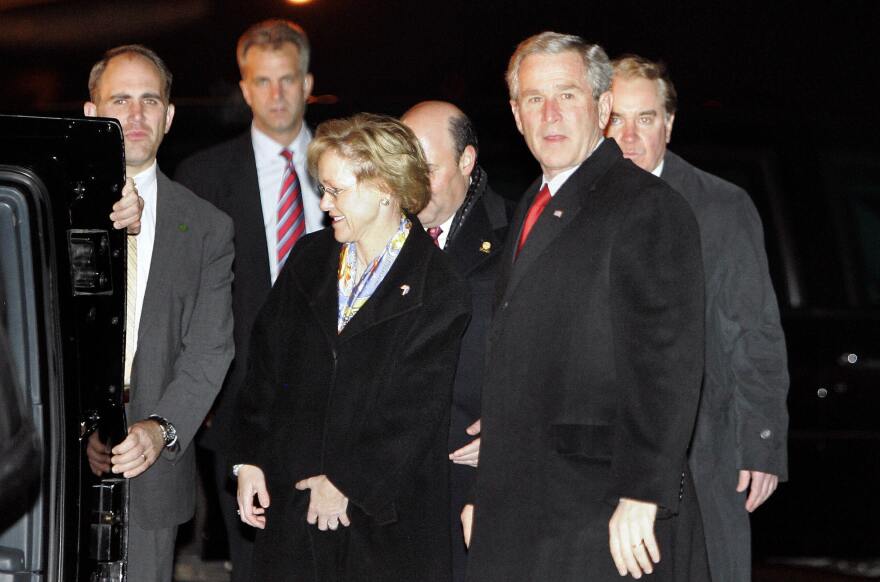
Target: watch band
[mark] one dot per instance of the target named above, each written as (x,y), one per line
(169,433)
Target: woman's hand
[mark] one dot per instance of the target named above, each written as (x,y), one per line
(252,481)
(327,504)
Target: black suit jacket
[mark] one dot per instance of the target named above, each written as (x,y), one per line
(743,420)
(226,176)
(368,407)
(593,376)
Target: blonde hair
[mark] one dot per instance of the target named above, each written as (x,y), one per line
(385,152)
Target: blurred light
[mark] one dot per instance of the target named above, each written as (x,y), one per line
(299,1)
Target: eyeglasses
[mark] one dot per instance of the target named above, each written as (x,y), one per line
(335,192)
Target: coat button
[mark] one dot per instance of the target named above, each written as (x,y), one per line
(766,433)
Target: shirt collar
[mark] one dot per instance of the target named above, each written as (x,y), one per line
(266,148)
(659,169)
(145,179)
(555,183)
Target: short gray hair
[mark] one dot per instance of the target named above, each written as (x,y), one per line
(596,62)
(273,34)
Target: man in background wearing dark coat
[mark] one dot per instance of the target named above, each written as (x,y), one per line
(595,351)
(244,177)
(468,220)
(740,439)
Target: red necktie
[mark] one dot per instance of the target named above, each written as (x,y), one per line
(434,233)
(535,211)
(291,222)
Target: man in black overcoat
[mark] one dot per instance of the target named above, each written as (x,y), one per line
(243,177)
(469,221)
(740,438)
(595,352)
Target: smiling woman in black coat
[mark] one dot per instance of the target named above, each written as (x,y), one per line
(345,413)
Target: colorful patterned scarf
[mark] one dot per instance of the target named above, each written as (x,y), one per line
(354,294)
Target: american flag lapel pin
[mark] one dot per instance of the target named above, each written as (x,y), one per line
(404,289)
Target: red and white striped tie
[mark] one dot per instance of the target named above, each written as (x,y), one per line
(291,219)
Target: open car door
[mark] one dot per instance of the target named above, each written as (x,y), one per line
(62,304)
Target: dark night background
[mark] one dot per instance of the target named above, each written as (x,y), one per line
(745,73)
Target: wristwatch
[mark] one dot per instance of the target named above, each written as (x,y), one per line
(169,433)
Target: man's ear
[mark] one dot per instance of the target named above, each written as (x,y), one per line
(90,109)
(670,119)
(169,117)
(514,107)
(244,91)
(308,84)
(467,160)
(604,106)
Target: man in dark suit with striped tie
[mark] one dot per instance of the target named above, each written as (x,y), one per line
(259,179)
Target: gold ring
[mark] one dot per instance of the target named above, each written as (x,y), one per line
(144,455)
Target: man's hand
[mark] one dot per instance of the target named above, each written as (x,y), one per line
(139,450)
(252,481)
(470,453)
(631,537)
(128,210)
(327,504)
(762,487)
(98,454)
(467,522)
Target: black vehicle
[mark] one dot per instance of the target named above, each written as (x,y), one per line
(62,285)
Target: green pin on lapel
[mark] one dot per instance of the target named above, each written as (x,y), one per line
(182,227)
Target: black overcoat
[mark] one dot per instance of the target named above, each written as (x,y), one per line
(368,407)
(475,250)
(593,377)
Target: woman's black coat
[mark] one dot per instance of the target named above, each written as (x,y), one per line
(368,407)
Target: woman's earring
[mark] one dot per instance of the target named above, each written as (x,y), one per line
(385,202)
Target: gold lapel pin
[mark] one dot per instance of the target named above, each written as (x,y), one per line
(404,289)
(486,247)
(557,213)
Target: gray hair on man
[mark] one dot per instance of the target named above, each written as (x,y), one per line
(596,62)
(272,34)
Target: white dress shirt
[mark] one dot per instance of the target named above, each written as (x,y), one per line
(557,181)
(147,188)
(270,171)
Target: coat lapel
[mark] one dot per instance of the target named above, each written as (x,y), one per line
(562,209)
(169,228)
(245,205)
(476,242)
(401,290)
(318,279)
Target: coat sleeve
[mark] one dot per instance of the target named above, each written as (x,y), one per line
(411,409)
(656,295)
(752,335)
(207,346)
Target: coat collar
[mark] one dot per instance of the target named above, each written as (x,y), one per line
(400,292)
(478,240)
(565,205)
